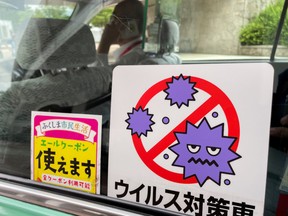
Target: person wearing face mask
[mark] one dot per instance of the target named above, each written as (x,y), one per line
(125,29)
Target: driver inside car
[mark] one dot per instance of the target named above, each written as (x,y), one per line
(125,29)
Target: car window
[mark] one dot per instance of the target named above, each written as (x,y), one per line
(63,11)
(98,23)
(14,20)
(225,31)
(50,62)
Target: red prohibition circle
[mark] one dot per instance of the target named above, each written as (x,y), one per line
(217,98)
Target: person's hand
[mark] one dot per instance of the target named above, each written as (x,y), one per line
(281,132)
(110,36)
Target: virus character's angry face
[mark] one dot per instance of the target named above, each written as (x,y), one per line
(204,152)
(198,153)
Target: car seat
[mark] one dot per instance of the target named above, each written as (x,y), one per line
(167,39)
(51,45)
(55,55)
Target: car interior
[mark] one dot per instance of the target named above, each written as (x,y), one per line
(51,65)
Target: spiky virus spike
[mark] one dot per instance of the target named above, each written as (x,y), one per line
(180,91)
(139,121)
(204,152)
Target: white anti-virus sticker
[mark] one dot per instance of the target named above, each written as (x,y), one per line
(191,131)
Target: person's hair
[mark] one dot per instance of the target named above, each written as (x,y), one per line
(133,9)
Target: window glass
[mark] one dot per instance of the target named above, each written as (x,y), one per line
(13,20)
(40,69)
(282,47)
(98,23)
(39,38)
(222,30)
(60,12)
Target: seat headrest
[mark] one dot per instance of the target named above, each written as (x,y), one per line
(55,44)
(169,36)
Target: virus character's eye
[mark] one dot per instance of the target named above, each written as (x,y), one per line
(213,151)
(193,148)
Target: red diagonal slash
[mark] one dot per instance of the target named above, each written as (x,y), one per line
(192,118)
(217,97)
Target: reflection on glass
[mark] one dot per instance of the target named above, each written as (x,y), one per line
(282,47)
(13,20)
(223,30)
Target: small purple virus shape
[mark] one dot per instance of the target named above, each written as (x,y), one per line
(180,91)
(204,152)
(215,114)
(166,156)
(139,121)
(165,120)
(227,182)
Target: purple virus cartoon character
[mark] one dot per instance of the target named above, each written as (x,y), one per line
(140,121)
(204,152)
(180,91)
